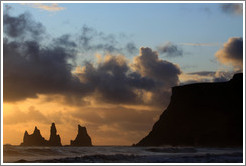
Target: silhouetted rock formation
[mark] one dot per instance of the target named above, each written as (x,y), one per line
(203,114)
(82,139)
(55,139)
(34,139)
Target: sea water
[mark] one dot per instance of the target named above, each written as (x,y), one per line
(120,154)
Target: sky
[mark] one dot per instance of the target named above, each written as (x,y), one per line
(110,66)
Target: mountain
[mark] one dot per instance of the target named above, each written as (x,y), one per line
(201,114)
(82,138)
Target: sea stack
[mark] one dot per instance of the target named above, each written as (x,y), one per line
(34,139)
(55,139)
(201,115)
(82,138)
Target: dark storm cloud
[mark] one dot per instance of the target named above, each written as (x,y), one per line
(165,74)
(232,53)
(170,50)
(149,65)
(21,26)
(232,8)
(114,80)
(32,67)
(117,81)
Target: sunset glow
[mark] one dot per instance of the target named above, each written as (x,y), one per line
(110,67)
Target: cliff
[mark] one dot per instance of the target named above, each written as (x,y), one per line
(202,114)
(36,138)
(82,138)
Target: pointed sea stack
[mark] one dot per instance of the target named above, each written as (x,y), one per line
(34,139)
(203,115)
(55,139)
(82,139)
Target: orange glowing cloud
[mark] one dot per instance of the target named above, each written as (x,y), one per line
(51,8)
(232,53)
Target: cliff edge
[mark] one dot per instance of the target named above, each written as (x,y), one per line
(202,114)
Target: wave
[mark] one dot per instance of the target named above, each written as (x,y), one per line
(121,158)
(173,150)
(95,154)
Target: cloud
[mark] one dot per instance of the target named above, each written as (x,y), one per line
(90,40)
(163,72)
(89,36)
(197,77)
(203,73)
(117,124)
(200,44)
(23,117)
(131,48)
(28,63)
(222,76)
(51,8)
(149,65)
(171,50)
(42,70)
(65,41)
(49,68)
(145,81)
(205,76)
(232,53)
(113,80)
(125,118)
(232,8)
(22,26)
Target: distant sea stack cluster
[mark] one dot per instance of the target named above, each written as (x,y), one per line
(201,114)
(36,139)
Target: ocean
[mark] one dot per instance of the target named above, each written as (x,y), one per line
(120,154)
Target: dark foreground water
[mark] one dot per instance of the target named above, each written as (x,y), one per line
(118,154)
